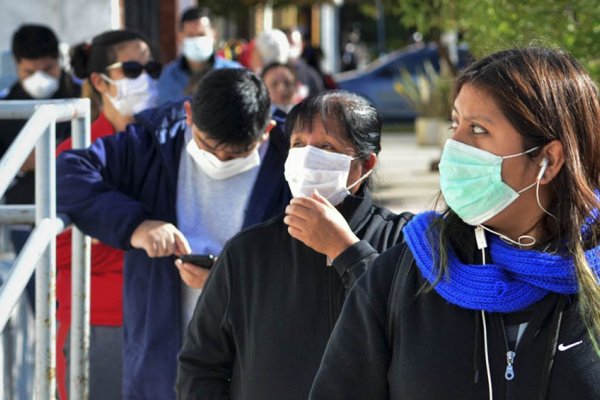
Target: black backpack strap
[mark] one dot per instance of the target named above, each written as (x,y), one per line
(403,267)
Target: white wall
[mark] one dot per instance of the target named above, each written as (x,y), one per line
(73,21)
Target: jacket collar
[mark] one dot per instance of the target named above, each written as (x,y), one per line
(356,208)
(184,65)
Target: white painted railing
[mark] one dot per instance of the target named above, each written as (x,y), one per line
(39,252)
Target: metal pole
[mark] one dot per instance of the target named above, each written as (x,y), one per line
(330,35)
(17,214)
(24,143)
(380,28)
(45,282)
(21,147)
(64,109)
(80,292)
(24,265)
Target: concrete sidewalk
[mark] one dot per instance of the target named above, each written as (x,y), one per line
(403,180)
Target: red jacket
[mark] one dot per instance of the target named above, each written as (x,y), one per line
(107,264)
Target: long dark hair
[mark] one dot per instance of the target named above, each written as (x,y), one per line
(547,95)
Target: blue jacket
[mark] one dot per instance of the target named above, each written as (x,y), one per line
(122,180)
(176,76)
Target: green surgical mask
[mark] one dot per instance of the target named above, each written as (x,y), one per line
(471,182)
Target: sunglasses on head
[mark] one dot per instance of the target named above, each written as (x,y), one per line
(133,69)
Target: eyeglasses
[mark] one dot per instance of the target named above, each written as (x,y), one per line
(133,69)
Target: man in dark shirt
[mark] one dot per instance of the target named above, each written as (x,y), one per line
(35,50)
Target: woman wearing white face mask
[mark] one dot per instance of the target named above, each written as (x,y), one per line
(497,297)
(281,285)
(120,77)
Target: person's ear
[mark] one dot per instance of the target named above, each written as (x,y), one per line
(99,83)
(188,112)
(180,37)
(553,154)
(370,163)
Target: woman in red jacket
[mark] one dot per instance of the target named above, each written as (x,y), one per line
(120,79)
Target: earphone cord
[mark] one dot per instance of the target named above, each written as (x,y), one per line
(482,244)
(519,242)
(485,341)
(537,197)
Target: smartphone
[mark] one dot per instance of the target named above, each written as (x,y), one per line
(201,260)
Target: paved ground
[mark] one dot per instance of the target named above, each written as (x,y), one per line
(403,181)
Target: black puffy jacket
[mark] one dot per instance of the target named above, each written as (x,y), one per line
(262,322)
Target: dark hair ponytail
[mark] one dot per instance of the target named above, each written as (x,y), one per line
(102,52)
(80,56)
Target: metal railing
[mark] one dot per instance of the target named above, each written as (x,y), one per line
(39,252)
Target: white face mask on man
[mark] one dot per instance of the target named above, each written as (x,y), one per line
(133,95)
(198,48)
(309,168)
(217,169)
(40,85)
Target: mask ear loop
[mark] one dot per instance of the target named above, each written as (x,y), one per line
(362,178)
(526,240)
(107,79)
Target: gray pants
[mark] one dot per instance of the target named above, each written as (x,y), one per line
(106,362)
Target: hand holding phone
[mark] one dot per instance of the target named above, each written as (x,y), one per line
(200,260)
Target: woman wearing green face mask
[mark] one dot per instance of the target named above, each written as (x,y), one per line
(498,296)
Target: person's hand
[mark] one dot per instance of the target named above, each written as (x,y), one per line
(319,225)
(192,275)
(159,239)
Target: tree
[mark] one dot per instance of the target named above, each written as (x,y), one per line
(492,25)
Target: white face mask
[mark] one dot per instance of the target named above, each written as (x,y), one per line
(217,169)
(308,168)
(40,85)
(198,48)
(133,95)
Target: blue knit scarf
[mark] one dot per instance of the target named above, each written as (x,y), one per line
(516,279)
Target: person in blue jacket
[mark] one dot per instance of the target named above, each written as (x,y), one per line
(182,179)
(197,38)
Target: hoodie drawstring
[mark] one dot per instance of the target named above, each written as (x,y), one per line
(476,350)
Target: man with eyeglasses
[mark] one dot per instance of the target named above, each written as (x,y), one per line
(197,39)
(181,180)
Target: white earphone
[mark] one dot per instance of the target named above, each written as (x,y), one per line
(543,166)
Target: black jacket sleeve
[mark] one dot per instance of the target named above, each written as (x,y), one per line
(205,361)
(355,260)
(357,357)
